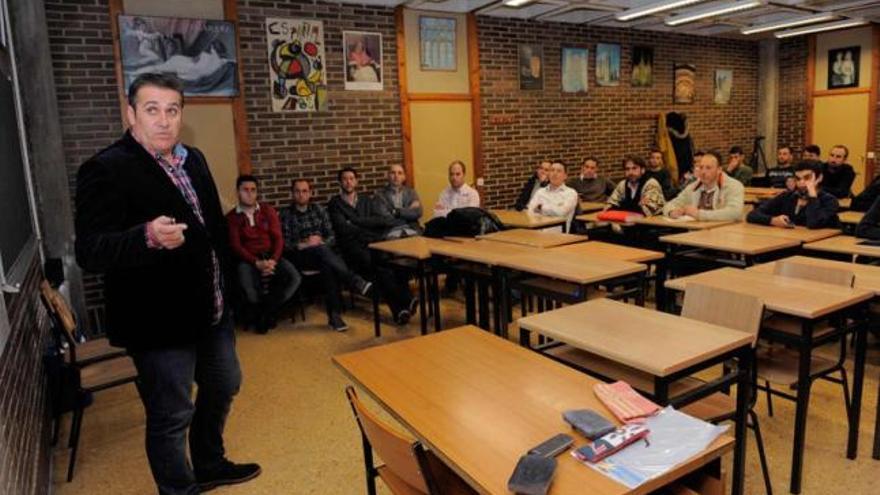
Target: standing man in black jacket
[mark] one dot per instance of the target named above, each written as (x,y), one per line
(148,217)
(807,205)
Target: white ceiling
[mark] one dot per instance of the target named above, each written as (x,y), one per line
(601,12)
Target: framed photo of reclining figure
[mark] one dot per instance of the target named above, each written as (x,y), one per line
(363,60)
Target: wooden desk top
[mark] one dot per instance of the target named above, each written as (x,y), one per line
(730,241)
(792,296)
(853,217)
(601,249)
(533,238)
(651,341)
(589,206)
(867,276)
(485,252)
(526,220)
(589,217)
(409,247)
(571,267)
(801,234)
(480,402)
(763,192)
(666,222)
(844,203)
(844,244)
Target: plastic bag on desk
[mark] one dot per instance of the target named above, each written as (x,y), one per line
(675,437)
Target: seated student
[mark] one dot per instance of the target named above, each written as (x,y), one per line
(400,204)
(589,186)
(689,176)
(637,192)
(839,175)
(457,194)
(737,168)
(812,152)
(356,225)
(714,196)
(808,205)
(657,170)
(267,279)
(781,176)
(308,237)
(863,200)
(535,182)
(556,199)
(869,226)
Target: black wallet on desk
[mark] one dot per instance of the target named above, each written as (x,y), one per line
(588,422)
(532,475)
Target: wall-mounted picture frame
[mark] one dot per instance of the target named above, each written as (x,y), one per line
(3,35)
(362,52)
(723,86)
(531,67)
(684,82)
(843,67)
(297,74)
(575,69)
(607,64)
(200,52)
(437,43)
(642,66)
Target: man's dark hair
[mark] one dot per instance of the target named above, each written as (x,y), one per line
(635,159)
(246,178)
(156,79)
(589,158)
(296,181)
(814,149)
(784,148)
(460,164)
(564,165)
(716,155)
(699,153)
(844,148)
(343,171)
(736,150)
(654,149)
(813,165)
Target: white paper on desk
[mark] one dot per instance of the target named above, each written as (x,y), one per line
(683,218)
(675,437)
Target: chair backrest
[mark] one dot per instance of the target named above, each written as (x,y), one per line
(398,452)
(824,274)
(723,307)
(59,311)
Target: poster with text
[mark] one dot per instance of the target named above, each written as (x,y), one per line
(297,76)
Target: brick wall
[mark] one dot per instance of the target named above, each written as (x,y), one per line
(793,53)
(24,411)
(607,121)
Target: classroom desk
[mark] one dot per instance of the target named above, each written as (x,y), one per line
(762,192)
(590,206)
(662,345)
(533,238)
(809,301)
(850,220)
(746,247)
(526,220)
(801,234)
(668,223)
(455,391)
(844,244)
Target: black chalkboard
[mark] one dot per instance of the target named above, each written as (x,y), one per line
(15,212)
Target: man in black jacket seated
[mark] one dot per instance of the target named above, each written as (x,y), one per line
(807,205)
(356,225)
(148,217)
(839,175)
(539,179)
(866,198)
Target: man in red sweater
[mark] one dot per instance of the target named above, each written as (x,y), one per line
(267,279)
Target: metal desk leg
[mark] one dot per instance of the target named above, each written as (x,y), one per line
(504,303)
(852,444)
(470,300)
(659,282)
(661,390)
(377,326)
(484,304)
(803,402)
(876,453)
(435,298)
(743,398)
(423,317)
(525,337)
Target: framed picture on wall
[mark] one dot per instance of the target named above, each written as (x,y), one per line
(684,82)
(437,46)
(531,67)
(201,52)
(642,66)
(575,61)
(363,60)
(2,23)
(607,64)
(843,67)
(723,86)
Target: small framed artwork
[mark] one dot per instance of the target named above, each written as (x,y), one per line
(437,47)
(607,64)
(575,62)
(363,60)
(531,67)
(843,67)
(723,86)
(2,23)
(684,82)
(642,66)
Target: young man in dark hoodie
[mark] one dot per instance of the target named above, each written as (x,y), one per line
(807,205)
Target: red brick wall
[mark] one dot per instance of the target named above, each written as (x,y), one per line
(606,121)
(793,53)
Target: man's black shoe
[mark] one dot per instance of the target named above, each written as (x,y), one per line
(228,473)
(337,323)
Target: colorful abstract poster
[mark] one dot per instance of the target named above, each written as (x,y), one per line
(297,76)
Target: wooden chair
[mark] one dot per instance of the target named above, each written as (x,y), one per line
(408,469)
(93,373)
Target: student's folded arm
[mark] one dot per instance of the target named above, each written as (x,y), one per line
(412,213)
(821,212)
(766,210)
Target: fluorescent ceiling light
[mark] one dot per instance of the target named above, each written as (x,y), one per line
(516,3)
(630,14)
(799,21)
(828,26)
(711,12)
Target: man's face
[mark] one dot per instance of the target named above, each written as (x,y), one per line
(557,174)
(632,171)
(456,176)
(348,182)
(837,156)
(543,171)
(803,177)
(735,160)
(590,169)
(809,155)
(655,160)
(247,194)
(396,175)
(156,119)
(302,192)
(783,156)
(708,170)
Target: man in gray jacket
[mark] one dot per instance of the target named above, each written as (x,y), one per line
(401,203)
(715,196)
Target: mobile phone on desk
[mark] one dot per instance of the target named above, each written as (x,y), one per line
(553,446)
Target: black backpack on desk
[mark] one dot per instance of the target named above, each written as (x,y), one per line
(464,222)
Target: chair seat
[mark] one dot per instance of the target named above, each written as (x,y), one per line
(105,374)
(780,366)
(96,350)
(792,326)
(396,484)
(615,371)
(712,408)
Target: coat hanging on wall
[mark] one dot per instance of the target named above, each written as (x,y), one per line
(682,144)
